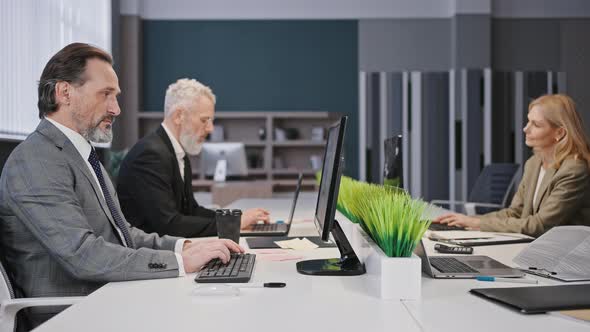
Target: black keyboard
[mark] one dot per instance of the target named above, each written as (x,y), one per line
(238,269)
(266,227)
(444,227)
(450,265)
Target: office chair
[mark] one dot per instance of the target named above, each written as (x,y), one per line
(10,306)
(493,190)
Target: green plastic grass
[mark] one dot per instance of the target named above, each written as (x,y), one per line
(345,195)
(387,214)
(393,220)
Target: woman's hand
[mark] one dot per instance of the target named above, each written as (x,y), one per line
(458,219)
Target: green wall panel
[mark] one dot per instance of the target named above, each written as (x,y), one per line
(296,65)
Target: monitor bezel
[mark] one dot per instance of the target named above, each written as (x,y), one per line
(348,264)
(326,226)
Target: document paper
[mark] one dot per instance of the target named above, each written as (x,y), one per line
(297,244)
(562,253)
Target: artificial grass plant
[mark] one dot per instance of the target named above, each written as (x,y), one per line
(392,218)
(387,214)
(346,197)
(346,194)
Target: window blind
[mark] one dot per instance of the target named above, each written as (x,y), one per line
(31,31)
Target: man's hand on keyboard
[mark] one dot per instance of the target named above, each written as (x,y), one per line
(199,253)
(252,216)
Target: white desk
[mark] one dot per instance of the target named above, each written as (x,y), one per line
(306,304)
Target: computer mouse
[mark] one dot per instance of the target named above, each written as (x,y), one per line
(216,290)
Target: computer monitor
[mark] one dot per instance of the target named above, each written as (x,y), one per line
(393,174)
(348,263)
(234,155)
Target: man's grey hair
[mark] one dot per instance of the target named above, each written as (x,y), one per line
(183,92)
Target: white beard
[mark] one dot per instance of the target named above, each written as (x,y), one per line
(190,144)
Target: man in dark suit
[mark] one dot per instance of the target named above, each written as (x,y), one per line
(154,183)
(63,232)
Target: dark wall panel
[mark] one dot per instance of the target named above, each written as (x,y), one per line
(259,66)
(435,136)
(470,40)
(525,44)
(405,44)
(575,61)
(473,157)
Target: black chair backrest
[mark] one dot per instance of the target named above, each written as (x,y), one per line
(494,185)
(5,151)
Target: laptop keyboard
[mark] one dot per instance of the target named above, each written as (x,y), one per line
(269,228)
(444,227)
(265,227)
(450,265)
(238,269)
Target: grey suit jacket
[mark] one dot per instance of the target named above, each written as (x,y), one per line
(57,234)
(563,199)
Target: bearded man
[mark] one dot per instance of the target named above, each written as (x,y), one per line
(154,183)
(62,232)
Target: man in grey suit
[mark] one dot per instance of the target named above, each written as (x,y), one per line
(62,231)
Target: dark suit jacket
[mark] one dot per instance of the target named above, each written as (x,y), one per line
(153,195)
(563,199)
(56,230)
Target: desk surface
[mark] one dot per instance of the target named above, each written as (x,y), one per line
(306,304)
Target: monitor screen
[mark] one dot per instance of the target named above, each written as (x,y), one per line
(348,263)
(233,153)
(330,181)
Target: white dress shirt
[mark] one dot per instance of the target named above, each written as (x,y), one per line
(83,147)
(178,150)
(539,180)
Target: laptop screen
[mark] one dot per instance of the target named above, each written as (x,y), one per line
(294,204)
(420,251)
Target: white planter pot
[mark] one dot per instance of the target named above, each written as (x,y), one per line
(390,278)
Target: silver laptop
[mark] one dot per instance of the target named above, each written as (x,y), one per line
(275,229)
(463,267)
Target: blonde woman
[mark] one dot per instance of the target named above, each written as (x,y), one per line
(555,188)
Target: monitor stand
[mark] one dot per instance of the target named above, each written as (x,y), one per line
(347,265)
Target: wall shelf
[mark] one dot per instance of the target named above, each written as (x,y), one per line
(278,162)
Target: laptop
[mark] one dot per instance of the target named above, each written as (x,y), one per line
(463,267)
(275,229)
(444,227)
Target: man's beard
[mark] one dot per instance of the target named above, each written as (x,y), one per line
(190,142)
(97,135)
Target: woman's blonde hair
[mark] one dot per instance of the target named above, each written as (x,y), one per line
(560,112)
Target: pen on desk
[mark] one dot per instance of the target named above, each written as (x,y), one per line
(262,285)
(516,280)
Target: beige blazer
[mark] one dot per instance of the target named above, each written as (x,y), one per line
(563,199)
